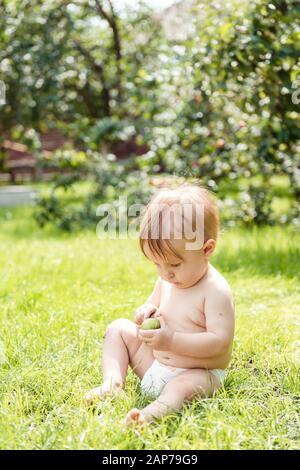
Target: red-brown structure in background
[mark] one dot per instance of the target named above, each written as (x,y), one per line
(21,164)
(124,149)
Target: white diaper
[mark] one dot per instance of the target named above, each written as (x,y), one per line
(219,374)
(158,375)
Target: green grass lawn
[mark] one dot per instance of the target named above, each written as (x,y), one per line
(59,292)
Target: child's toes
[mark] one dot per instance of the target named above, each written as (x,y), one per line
(92,395)
(89,398)
(135,417)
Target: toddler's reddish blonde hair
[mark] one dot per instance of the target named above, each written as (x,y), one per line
(194,195)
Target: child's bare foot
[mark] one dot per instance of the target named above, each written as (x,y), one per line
(135,417)
(108,387)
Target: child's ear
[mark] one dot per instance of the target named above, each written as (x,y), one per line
(209,247)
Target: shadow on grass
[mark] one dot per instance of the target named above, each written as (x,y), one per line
(260,261)
(18,223)
(265,251)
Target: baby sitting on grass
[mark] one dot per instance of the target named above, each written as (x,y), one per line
(187,356)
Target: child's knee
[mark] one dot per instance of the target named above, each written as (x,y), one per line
(119,326)
(116,326)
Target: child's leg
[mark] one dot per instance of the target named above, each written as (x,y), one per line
(184,387)
(121,347)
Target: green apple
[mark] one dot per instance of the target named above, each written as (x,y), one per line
(150,324)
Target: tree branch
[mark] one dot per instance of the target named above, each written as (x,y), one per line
(113,23)
(98,68)
(103,13)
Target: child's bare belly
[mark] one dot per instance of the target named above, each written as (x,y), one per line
(171,359)
(185,313)
(186,325)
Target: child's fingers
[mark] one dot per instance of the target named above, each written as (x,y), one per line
(150,310)
(157,314)
(139,317)
(147,334)
(147,315)
(143,313)
(146,340)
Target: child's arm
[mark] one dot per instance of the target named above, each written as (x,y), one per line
(219,313)
(151,305)
(155,296)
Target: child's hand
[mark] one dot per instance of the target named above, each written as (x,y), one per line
(144,312)
(159,339)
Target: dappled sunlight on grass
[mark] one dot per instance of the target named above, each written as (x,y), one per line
(59,292)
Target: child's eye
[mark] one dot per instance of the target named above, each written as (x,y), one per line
(175,265)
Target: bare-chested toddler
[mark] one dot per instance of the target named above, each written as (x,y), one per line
(188,355)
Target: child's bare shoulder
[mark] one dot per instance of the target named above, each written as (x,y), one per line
(216,284)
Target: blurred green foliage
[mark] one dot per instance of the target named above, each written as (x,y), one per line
(217,102)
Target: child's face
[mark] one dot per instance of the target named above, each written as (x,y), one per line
(183,272)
